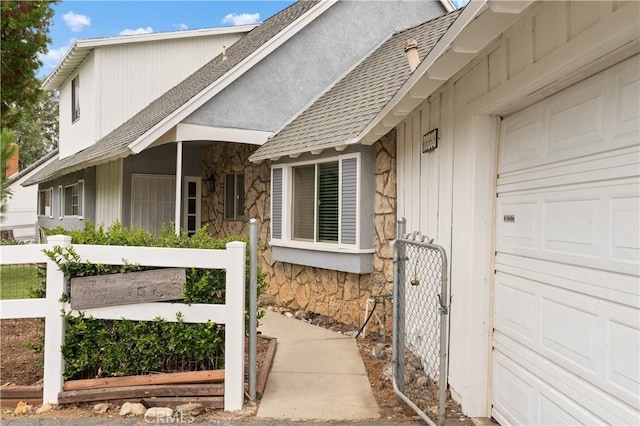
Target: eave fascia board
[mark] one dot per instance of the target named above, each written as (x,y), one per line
(81,166)
(468,14)
(448,5)
(193,132)
(294,153)
(217,86)
(168,35)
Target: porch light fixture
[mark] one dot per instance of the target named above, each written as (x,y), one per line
(211,183)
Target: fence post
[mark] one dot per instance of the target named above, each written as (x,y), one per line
(234,327)
(253,304)
(399,306)
(54,325)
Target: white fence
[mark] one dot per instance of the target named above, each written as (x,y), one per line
(231,314)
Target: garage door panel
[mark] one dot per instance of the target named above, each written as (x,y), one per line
(517,367)
(572,227)
(523,134)
(625,237)
(576,119)
(580,334)
(624,365)
(591,226)
(516,309)
(597,115)
(627,113)
(616,165)
(521,397)
(604,285)
(570,333)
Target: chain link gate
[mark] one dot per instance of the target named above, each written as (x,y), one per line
(420,322)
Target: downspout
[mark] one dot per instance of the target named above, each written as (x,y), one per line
(178,185)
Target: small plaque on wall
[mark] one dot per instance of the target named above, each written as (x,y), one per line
(430,140)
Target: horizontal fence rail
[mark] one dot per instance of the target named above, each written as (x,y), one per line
(231,314)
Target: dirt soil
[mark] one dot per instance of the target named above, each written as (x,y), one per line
(20,365)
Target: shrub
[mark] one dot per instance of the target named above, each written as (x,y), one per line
(96,347)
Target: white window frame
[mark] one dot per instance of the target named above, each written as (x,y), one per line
(185,206)
(287,206)
(75,99)
(60,202)
(63,211)
(40,214)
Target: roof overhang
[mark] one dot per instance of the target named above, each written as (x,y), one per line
(481,22)
(80,49)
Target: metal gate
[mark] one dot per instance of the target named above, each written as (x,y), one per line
(420,320)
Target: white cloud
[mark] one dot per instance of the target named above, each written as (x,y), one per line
(241,19)
(53,57)
(137,31)
(76,22)
(181,26)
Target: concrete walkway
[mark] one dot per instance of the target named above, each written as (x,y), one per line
(317,374)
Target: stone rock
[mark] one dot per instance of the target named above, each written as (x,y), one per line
(23,408)
(302,296)
(44,408)
(266,299)
(270,308)
(378,351)
(423,382)
(302,314)
(132,409)
(190,409)
(101,408)
(387,373)
(288,314)
(158,413)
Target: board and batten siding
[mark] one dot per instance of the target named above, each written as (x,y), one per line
(141,72)
(449,194)
(78,135)
(109,193)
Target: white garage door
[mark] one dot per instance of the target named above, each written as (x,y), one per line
(567,288)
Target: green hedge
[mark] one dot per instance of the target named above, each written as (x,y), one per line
(96,348)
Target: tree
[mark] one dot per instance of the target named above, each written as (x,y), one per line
(36,131)
(7,149)
(24,27)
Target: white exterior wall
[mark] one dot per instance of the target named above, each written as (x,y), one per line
(21,214)
(140,72)
(117,81)
(109,193)
(449,194)
(76,136)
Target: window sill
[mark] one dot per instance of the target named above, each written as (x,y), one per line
(325,256)
(326,247)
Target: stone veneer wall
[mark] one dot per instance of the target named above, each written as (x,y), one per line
(340,295)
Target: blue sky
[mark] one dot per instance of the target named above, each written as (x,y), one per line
(80,19)
(89,18)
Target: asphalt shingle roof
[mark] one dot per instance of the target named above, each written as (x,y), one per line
(115,143)
(348,107)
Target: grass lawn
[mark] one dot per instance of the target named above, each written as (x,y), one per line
(17,281)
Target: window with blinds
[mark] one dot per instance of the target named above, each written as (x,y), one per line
(322,199)
(328,202)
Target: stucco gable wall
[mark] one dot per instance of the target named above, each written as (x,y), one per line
(283,83)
